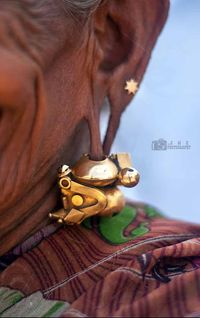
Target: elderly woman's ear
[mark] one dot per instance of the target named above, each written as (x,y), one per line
(66,57)
(125,33)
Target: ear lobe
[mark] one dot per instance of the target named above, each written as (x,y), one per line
(126,31)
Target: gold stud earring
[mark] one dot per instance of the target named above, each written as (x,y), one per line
(131,86)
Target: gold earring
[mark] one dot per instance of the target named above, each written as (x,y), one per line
(90,187)
(131,86)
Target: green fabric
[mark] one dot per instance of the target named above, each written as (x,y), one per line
(114,229)
(9,298)
(14,304)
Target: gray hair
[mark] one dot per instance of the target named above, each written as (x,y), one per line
(81,6)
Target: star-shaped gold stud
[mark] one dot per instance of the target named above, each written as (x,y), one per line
(131,86)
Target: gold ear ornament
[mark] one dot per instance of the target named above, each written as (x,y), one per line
(90,187)
(131,86)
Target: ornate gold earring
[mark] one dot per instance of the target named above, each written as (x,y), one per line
(131,86)
(90,187)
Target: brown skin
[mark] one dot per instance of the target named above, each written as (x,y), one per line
(55,72)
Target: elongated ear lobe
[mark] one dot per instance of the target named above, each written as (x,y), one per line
(126,32)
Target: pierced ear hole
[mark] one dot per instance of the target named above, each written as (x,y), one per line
(104,118)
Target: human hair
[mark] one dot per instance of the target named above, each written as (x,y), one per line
(81,7)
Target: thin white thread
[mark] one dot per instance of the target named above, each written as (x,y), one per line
(125,249)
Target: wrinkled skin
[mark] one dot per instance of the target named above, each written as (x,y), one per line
(55,71)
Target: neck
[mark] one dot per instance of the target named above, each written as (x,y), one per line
(29,212)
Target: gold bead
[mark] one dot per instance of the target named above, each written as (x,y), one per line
(77,200)
(96,173)
(129,177)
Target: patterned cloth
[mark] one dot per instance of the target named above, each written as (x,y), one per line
(133,264)
(14,304)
